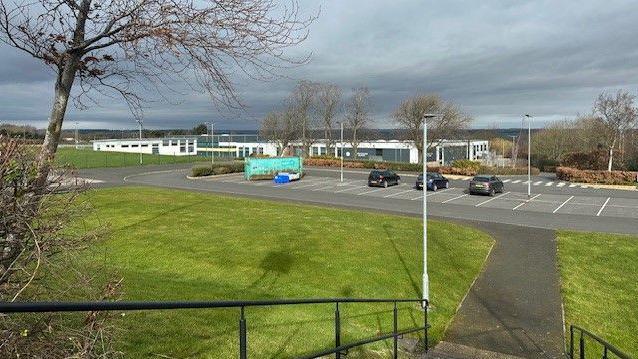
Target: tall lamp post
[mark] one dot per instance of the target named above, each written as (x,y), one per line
(77,145)
(529,155)
(341,146)
(139,122)
(426,280)
(212,153)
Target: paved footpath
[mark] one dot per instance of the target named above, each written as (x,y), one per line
(514,306)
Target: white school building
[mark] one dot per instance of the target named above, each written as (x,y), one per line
(238,146)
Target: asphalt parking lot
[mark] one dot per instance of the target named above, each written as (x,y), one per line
(549,203)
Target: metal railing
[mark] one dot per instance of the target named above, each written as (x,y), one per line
(339,348)
(584,334)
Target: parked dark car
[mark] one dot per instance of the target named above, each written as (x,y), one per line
(383,178)
(486,185)
(434,181)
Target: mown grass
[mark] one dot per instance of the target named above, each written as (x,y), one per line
(87,158)
(599,274)
(175,245)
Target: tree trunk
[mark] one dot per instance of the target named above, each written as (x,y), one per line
(63,85)
(611,158)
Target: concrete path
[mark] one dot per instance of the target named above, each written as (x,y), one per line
(514,306)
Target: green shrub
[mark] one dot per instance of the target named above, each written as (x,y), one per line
(218,169)
(593,176)
(466,164)
(507,170)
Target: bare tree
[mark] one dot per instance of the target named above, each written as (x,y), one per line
(38,260)
(409,115)
(617,115)
(329,99)
(123,47)
(280,128)
(358,116)
(301,104)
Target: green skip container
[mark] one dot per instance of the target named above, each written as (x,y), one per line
(267,168)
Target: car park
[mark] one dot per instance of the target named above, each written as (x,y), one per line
(485,184)
(383,178)
(434,181)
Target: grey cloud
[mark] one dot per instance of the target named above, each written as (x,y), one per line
(496,59)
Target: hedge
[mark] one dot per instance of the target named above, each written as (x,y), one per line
(335,162)
(459,167)
(596,176)
(218,169)
(468,171)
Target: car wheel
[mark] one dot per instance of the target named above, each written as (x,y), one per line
(434,187)
(398,182)
(492,192)
(447,185)
(385,184)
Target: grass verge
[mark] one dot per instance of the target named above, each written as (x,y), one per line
(599,274)
(87,158)
(176,245)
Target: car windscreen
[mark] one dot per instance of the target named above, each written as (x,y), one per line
(481,179)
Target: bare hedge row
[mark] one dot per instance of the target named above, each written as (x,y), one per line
(596,176)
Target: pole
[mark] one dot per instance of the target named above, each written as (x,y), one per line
(341,145)
(503,153)
(140,144)
(529,156)
(212,145)
(426,280)
(76,135)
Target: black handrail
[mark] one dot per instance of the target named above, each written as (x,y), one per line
(338,349)
(607,347)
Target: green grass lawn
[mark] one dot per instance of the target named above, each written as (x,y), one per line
(175,245)
(87,158)
(599,274)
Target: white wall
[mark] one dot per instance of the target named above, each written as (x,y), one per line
(171,147)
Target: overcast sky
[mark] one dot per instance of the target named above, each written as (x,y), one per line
(496,59)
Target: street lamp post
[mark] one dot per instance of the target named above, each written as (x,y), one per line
(76,136)
(529,155)
(426,280)
(341,146)
(139,122)
(212,144)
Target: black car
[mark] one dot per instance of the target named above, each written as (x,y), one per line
(434,181)
(383,178)
(486,185)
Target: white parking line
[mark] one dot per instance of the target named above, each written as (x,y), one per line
(491,199)
(516,181)
(561,184)
(572,185)
(603,207)
(537,183)
(527,201)
(398,193)
(310,185)
(374,190)
(452,199)
(350,189)
(549,184)
(415,198)
(323,188)
(506,180)
(562,204)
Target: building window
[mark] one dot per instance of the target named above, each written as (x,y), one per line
(173,142)
(124,146)
(260,150)
(191,149)
(182,149)
(133,145)
(165,142)
(144,145)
